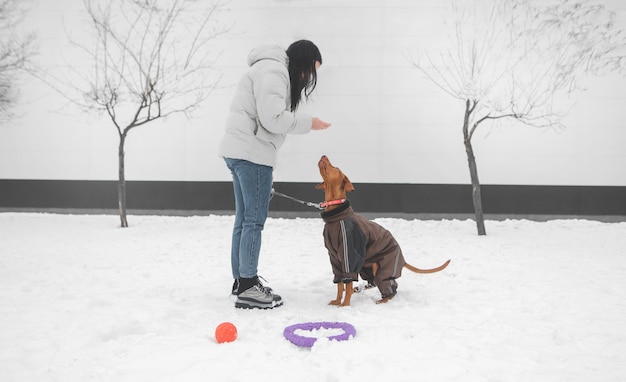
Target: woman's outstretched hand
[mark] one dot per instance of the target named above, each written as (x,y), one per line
(318,124)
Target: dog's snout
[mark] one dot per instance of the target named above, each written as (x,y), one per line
(322,162)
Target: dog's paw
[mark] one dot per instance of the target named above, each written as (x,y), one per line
(386,298)
(363,287)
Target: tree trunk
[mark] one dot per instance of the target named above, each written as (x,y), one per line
(121,183)
(471,160)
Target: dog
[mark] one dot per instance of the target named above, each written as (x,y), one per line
(357,246)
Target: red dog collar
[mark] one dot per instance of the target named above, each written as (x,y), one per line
(332,202)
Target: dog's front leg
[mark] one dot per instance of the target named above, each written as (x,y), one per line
(337,301)
(349,291)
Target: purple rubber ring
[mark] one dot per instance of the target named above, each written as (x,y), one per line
(290,332)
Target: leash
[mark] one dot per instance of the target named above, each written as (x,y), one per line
(319,206)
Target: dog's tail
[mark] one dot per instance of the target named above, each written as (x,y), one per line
(433,270)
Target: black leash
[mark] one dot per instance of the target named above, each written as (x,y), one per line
(310,204)
(319,206)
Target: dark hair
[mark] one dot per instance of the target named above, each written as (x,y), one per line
(302,74)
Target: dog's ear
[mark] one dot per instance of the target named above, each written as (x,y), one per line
(347,184)
(321,186)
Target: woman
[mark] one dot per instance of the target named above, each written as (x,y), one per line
(262,113)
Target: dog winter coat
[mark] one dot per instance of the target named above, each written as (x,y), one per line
(353,242)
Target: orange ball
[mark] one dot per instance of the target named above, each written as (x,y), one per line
(225,332)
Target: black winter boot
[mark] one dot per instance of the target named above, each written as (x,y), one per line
(252,294)
(237,285)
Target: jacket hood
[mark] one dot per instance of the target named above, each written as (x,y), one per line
(268,52)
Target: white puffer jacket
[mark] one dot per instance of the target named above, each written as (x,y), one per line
(260,118)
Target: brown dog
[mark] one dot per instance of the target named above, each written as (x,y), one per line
(357,246)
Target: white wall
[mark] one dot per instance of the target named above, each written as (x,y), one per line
(390,125)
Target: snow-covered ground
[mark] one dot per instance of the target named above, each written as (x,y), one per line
(84,300)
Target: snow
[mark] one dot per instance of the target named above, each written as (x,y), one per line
(84,300)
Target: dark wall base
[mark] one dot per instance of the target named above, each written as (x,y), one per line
(372,198)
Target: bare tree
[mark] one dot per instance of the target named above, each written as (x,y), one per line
(511,59)
(150,59)
(15,53)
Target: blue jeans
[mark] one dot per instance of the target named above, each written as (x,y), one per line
(252,184)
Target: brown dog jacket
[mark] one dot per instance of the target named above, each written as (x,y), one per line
(354,243)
